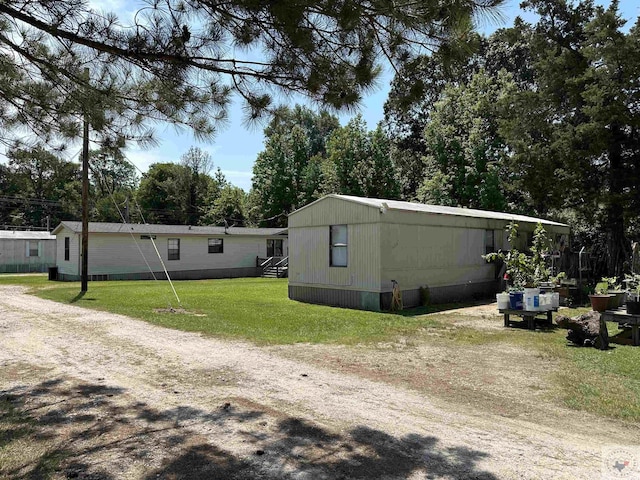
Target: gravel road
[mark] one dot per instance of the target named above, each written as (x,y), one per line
(126,399)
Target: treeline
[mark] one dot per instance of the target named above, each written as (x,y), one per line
(40,189)
(541,119)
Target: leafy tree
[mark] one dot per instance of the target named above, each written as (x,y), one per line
(362,161)
(464,152)
(288,173)
(581,122)
(171,62)
(162,194)
(113,184)
(199,186)
(111,172)
(228,209)
(45,186)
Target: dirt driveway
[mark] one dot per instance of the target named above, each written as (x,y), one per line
(113,397)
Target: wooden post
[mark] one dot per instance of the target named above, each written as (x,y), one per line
(84,275)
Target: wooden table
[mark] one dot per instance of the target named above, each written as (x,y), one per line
(528,316)
(623,318)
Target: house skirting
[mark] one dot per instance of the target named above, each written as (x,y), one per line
(25,268)
(177,275)
(376,301)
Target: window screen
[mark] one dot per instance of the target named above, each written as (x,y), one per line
(174,249)
(338,246)
(489,242)
(216,245)
(32,249)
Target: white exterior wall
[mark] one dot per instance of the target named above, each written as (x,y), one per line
(437,256)
(309,257)
(412,247)
(118,253)
(71,266)
(13,255)
(333,211)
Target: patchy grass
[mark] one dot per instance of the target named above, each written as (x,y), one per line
(254,309)
(606,383)
(25,452)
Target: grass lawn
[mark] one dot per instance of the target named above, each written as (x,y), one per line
(254,309)
(606,383)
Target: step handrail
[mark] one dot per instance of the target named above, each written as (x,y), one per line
(285,260)
(266,262)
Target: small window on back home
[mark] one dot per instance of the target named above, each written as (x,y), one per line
(489,242)
(66,248)
(338,253)
(32,249)
(173,252)
(216,245)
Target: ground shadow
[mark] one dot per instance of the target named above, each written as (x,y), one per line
(91,430)
(78,297)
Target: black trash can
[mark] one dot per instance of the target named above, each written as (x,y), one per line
(53,273)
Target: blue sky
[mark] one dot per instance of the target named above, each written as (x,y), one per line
(236,147)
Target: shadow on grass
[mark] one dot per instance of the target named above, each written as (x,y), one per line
(82,430)
(78,297)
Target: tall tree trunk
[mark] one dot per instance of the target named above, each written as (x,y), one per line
(618,246)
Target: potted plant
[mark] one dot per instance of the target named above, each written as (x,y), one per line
(522,270)
(600,298)
(615,290)
(633,293)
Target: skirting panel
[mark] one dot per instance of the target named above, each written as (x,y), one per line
(179,275)
(382,301)
(336,297)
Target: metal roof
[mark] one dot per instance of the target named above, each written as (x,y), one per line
(26,235)
(437,209)
(98,227)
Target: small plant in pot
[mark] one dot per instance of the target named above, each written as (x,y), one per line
(523,270)
(600,298)
(633,293)
(614,289)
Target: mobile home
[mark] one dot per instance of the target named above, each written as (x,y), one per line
(133,251)
(347,251)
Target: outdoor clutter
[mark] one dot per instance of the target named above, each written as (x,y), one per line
(586,330)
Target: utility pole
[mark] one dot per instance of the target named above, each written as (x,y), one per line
(84,275)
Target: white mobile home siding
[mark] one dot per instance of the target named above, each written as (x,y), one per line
(122,256)
(14,257)
(416,245)
(69,267)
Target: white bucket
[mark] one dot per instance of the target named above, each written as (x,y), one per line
(531,299)
(545,301)
(503,301)
(555,300)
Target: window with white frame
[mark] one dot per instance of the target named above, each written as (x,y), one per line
(173,250)
(338,249)
(216,245)
(33,248)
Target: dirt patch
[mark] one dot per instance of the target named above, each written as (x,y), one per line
(112,397)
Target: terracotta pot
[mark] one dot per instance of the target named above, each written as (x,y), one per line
(599,303)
